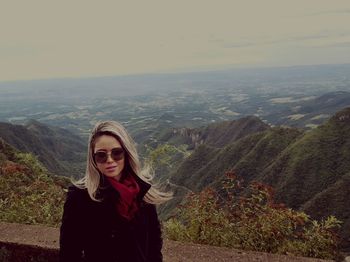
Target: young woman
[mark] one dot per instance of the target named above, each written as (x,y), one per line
(110,214)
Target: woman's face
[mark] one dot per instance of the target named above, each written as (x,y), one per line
(111,167)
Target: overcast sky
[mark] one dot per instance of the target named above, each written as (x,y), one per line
(83,38)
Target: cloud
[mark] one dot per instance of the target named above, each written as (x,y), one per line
(335,44)
(309,37)
(323,37)
(242,44)
(331,12)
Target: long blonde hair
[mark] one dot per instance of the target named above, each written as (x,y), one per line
(91,180)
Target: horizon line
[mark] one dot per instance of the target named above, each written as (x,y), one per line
(173,72)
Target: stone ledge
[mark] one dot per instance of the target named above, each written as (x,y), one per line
(21,243)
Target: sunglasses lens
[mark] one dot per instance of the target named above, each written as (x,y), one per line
(117,154)
(100,157)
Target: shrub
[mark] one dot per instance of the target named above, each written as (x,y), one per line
(248,218)
(28,194)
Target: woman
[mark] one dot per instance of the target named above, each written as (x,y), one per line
(110,214)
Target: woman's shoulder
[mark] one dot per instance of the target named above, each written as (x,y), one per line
(74,189)
(75,193)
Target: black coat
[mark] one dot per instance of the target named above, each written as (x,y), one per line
(94,231)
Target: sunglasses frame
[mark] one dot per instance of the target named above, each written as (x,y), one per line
(116,156)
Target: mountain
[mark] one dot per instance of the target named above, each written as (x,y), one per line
(313,174)
(312,111)
(216,134)
(248,156)
(207,144)
(28,194)
(333,201)
(314,162)
(307,169)
(61,151)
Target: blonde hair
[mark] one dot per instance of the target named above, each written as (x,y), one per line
(91,180)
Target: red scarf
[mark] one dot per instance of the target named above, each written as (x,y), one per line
(128,190)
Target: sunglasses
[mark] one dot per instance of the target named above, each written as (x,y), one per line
(102,156)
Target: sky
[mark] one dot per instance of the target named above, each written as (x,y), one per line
(42,39)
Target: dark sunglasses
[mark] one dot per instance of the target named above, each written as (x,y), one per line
(102,156)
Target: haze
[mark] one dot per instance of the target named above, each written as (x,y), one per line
(54,39)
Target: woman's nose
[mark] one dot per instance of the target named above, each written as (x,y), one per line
(109,158)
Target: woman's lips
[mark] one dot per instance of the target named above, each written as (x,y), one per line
(111,168)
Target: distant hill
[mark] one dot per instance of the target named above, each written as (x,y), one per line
(148,104)
(62,152)
(313,111)
(305,168)
(216,134)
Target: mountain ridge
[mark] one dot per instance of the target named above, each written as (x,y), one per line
(301,166)
(61,151)
(216,134)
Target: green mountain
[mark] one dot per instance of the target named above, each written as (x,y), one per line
(28,193)
(308,170)
(216,134)
(173,145)
(333,201)
(248,156)
(62,152)
(314,162)
(313,174)
(208,145)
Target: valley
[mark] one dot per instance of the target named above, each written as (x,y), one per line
(286,127)
(302,96)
